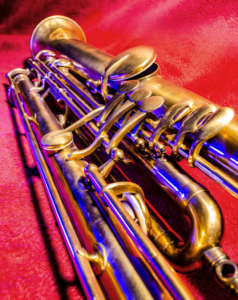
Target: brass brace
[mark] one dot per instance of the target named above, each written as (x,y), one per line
(32,119)
(99,257)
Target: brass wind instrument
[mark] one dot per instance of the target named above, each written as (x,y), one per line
(75,99)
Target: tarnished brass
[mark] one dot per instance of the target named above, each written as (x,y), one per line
(79,205)
(83,268)
(117,99)
(60,139)
(226,270)
(142,111)
(216,122)
(148,105)
(128,64)
(192,123)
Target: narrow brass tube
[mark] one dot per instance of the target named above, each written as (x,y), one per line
(147,249)
(82,266)
(196,202)
(87,219)
(67,174)
(77,86)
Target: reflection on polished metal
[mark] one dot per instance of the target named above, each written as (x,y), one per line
(83,268)
(177,112)
(128,64)
(117,99)
(79,205)
(125,108)
(147,106)
(60,139)
(117,114)
(212,126)
(192,123)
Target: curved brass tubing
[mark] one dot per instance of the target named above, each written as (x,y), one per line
(130,187)
(206,220)
(196,202)
(199,205)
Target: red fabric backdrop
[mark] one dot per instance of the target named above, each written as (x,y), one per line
(197,47)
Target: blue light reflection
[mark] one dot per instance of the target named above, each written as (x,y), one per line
(235,161)
(218,151)
(167,180)
(56,212)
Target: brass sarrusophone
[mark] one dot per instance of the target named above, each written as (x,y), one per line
(130,109)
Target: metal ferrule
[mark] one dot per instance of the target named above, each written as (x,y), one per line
(87,219)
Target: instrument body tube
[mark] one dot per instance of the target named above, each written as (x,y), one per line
(119,280)
(82,266)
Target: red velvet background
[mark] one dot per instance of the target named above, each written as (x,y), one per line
(197,47)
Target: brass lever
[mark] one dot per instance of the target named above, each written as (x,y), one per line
(128,64)
(59,139)
(212,126)
(99,258)
(136,97)
(173,115)
(192,124)
(117,99)
(146,106)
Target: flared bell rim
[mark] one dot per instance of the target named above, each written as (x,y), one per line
(36,37)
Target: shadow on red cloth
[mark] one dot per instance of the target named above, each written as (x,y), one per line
(31,172)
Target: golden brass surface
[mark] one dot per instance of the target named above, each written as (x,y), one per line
(173,115)
(117,100)
(130,62)
(86,276)
(216,122)
(103,132)
(57,140)
(55,27)
(132,188)
(148,105)
(192,123)
(78,203)
(128,86)
(147,248)
(124,102)
(99,258)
